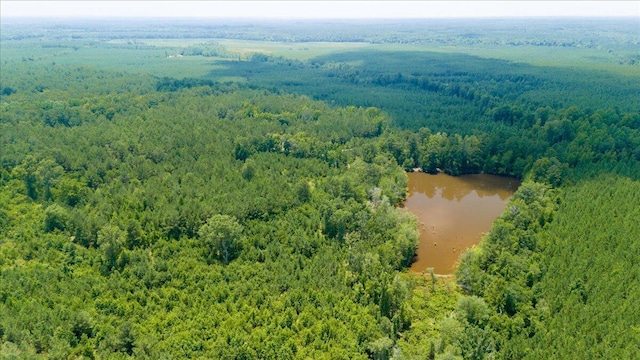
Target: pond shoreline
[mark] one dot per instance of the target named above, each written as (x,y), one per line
(454,213)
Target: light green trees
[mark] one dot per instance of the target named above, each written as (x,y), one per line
(549,170)
(110,241)
(221,236)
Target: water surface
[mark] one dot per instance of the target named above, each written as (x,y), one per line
(454,212)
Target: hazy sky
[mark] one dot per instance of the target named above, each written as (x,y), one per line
(317,9)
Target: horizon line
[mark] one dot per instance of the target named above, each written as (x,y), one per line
(195,17)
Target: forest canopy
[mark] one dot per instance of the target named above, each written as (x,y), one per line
(199,190)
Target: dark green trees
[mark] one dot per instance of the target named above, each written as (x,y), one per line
(55,217)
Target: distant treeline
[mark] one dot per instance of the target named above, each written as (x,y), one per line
(169,84)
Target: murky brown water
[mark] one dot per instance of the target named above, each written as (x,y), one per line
(454,212)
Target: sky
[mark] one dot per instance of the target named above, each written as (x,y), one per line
(318,9)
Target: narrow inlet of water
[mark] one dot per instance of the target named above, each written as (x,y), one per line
(454,212)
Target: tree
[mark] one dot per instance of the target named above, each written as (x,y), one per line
(7,90)
(221,235)
(338,223)
(381,349)
(548,170)
(55,217)
(126,340)
(303,191)
(248,169)
(110,241)
(48,174)
(472,310)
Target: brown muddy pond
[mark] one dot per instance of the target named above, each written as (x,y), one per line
(454,212)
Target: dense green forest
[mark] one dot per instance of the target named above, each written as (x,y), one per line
(172,192)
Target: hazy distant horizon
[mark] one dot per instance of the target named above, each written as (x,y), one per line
(317,10)
(266,20)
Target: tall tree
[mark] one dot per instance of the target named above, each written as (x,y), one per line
(221,235)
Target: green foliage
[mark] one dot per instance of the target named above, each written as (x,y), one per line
(472,310)
(577,286)
(531,271)
(7,90)
(221,236)
(151,222)
(548,170)
(168,84)
(55,218)
(167,214)
(111,240)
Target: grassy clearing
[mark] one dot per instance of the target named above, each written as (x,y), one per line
(162,43)
(128,58)
(584,58)
(291,50)
(160,57)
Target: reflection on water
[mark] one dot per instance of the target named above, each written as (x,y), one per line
(454,212)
